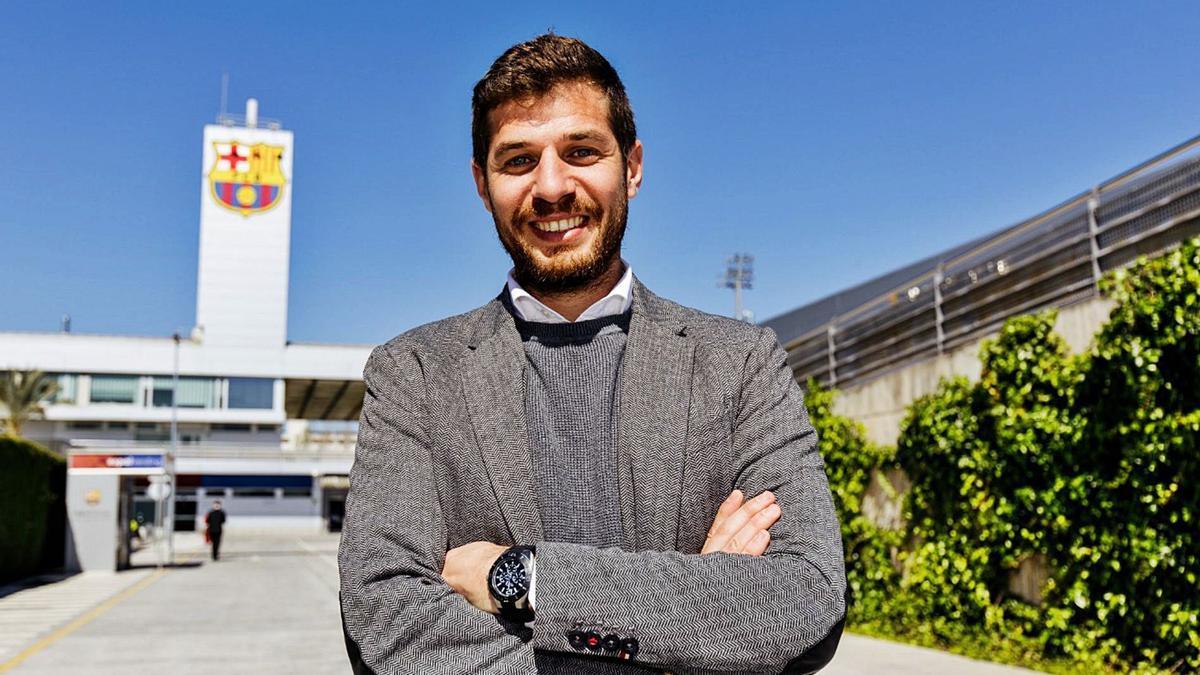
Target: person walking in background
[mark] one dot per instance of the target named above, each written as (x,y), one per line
(214,521)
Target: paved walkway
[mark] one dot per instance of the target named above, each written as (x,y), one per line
(269,606)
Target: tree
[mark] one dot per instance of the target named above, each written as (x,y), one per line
(23,393)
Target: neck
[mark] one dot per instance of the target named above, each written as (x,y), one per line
(570,304)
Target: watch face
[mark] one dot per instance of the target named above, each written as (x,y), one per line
(508,579)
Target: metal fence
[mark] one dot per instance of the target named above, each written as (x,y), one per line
(1052,260)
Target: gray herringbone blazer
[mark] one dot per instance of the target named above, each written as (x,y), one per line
(706,405)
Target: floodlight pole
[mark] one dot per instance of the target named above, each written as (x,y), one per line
(739,274)
(174,453)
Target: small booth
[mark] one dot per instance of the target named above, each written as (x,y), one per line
(100,487)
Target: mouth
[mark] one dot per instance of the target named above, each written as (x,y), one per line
(560,228)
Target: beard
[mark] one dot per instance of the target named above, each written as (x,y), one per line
(567,270)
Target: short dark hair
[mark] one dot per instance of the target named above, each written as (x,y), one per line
(533,68)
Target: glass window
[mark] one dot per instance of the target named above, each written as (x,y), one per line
(67,384)
(251,392)
(253,492)
(297,492)
(194,392)
(114,388)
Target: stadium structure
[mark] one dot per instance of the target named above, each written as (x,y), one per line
(890,340)
(241,413)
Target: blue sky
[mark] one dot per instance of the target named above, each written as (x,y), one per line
(834,141)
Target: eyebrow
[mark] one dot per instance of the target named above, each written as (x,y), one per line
(586,136)
(594,136)
(509,146)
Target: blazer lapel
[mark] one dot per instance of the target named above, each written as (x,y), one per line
(655,397)
(493,379)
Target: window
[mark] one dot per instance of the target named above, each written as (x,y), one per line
(254,492)
(251,392)
(67,385)
(297,492)
(194,392)
(333,426)
(114,388)
(230,427)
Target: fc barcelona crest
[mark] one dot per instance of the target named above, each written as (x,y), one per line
(247,178)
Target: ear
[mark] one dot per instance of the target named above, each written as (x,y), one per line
(633,170)
(481,185)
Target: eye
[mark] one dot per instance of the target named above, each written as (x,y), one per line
(518,162)
(583,153)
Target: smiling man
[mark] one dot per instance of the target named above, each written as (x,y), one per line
(580,476)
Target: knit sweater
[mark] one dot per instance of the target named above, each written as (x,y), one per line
(571,388)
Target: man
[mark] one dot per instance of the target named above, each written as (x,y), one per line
(582,477)
(214,522)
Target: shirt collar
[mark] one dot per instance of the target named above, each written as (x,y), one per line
(529,308)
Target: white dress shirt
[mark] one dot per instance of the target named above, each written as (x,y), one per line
(530,308)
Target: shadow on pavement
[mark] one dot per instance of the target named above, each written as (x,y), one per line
(33,582)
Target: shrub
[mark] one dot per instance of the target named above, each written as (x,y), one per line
(1089,464)
(26,475)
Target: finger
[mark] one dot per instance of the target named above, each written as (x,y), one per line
(759,522)
(758,545)
(738,519)
(732,525)
(728,507)
(731,504)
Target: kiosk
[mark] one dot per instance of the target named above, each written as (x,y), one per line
(100,503)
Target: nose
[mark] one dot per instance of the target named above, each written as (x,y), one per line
(552,178)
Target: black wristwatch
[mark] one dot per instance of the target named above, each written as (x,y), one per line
(508,583)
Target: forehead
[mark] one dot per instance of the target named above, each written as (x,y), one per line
(565,109)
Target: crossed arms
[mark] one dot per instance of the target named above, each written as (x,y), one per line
(724,610)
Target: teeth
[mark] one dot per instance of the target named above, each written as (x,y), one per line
(560,225)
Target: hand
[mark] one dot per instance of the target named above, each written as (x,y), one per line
(466,572)
(741,526)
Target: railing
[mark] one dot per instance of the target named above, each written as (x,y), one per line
(234,120)
(1054,259)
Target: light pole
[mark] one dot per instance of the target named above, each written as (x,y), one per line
(174,452)
(739,275)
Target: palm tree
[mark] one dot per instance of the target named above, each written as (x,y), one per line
(23,392)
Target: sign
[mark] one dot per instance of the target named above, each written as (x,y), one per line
(247,178)
(118,463)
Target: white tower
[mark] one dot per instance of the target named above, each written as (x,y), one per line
(245,233)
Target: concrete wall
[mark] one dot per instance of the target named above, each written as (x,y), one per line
(880,403)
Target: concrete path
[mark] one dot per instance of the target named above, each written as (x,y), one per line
(858,655)
(33,611)
(269,606)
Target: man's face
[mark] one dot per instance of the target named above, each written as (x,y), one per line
(557,186)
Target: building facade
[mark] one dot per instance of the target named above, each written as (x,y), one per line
(264,424)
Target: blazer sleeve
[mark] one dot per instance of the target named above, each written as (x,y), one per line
(721,612)
(398,613)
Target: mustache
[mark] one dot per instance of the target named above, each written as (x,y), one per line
(568,204)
